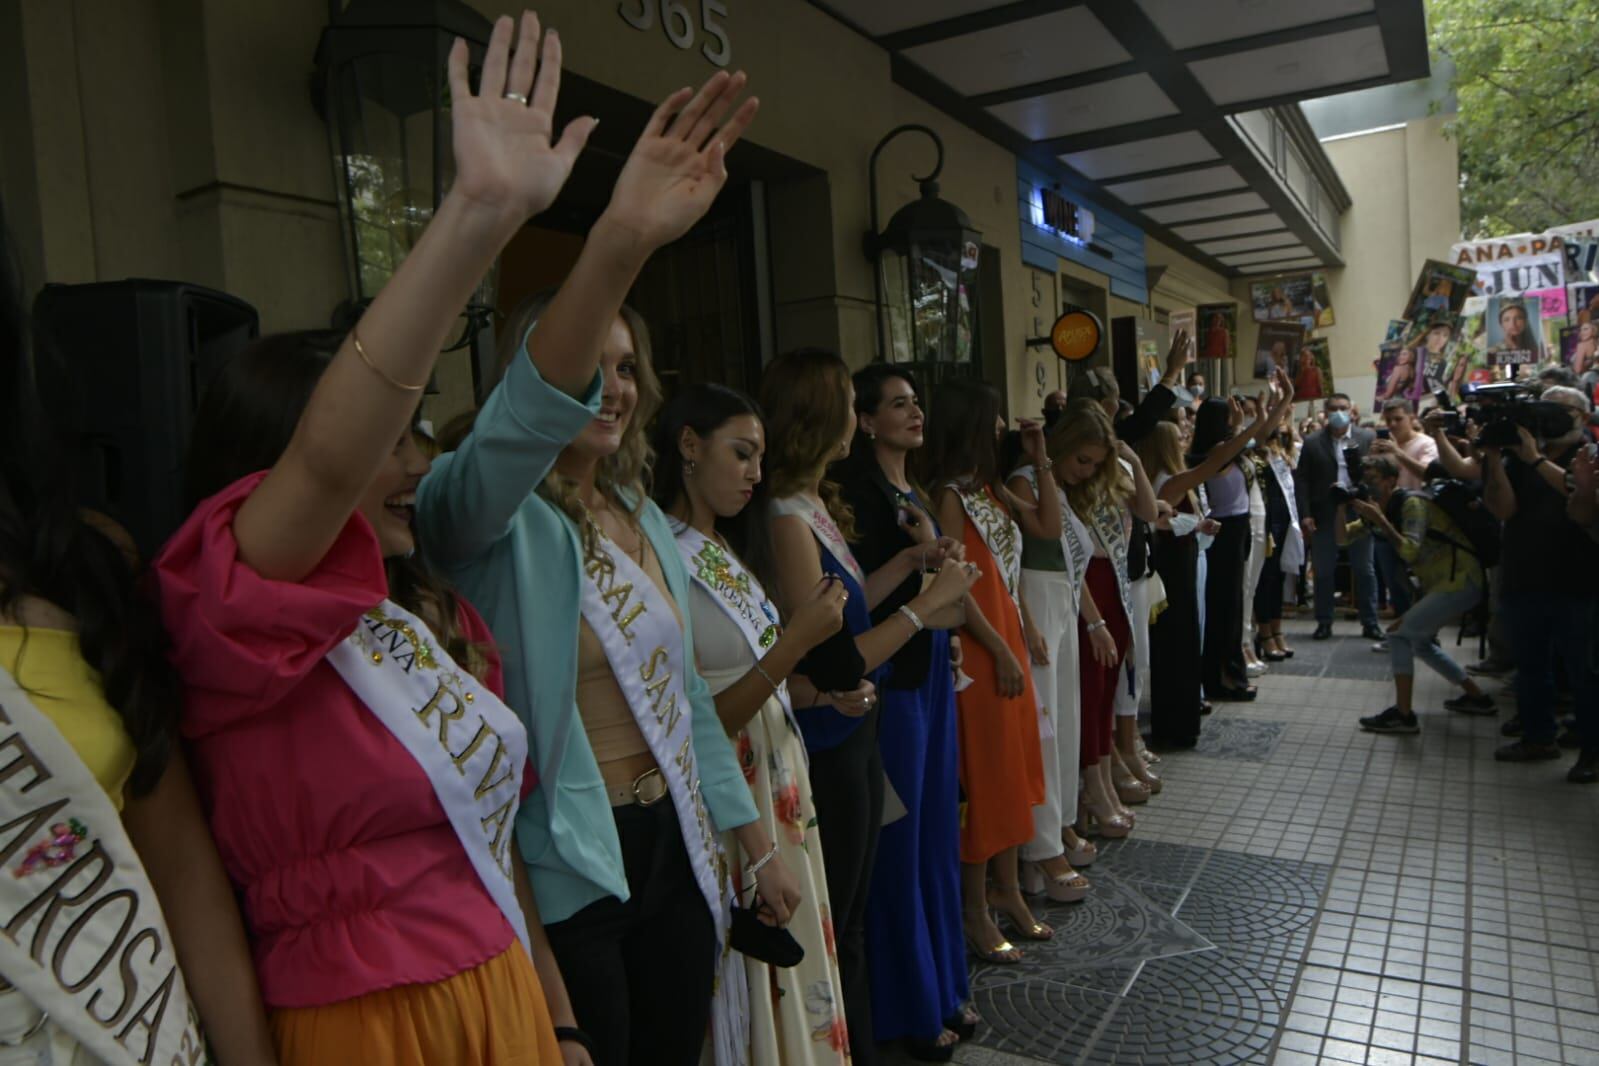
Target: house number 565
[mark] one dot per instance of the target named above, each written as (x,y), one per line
(678,22)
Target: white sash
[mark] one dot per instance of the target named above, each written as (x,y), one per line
(999,532)
(84,939)
(1074,536)
(720,573)
(643,642)
(470,744)
(827,531)
(1293,552)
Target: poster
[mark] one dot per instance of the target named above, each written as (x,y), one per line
(1184,319)
(1277,347)
(1323,300)
(1218,331)
(1515,330)
(1579,347)
(1435,338)
(1398,330)
(1522,262)
(1470,364)
(1313,379)
(1583,305)
(1284,299)
(1582,259)
(1399,374)
(1439,287)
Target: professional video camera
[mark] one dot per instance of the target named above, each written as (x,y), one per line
(1499,408)
(1341,496)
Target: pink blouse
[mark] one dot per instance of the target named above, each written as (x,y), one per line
(352,878)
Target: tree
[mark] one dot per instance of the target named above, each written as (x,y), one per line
(1527,80)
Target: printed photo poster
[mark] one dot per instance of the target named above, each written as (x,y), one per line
(1218,331)
(1399,374)
(1515,330)
(1579,347)
(1398,330)
(1323,300)
(1523,262)
(1439,287)
(1312,375)
(1277,347)
(1582,259)
(1470,364)
(1583,305)
(1434,339)
(1284,299)
(1185,319)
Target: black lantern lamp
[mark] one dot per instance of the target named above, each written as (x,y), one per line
(925,271)
(382,86)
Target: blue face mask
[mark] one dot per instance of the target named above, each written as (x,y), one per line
(1251,443)
(1338,419)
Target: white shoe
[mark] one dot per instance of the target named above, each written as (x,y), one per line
(1255,669)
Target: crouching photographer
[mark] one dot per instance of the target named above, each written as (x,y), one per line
(1442,556)
(1550,576)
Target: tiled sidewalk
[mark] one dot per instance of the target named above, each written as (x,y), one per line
(1303,892)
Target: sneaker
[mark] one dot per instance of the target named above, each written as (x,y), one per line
(1391,721)
(1468,704)
(1380,647)
(1511,728)
(1489,668)
(1323,631)
(1585,771)
(1372,632)
(1524,750)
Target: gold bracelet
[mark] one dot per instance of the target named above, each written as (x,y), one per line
(759,669)
(379,371)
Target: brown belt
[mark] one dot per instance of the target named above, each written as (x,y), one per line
(645,790)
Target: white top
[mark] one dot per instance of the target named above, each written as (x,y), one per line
(1343,462)
(1228,493)
(721,649)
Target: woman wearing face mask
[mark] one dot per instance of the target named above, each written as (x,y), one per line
(808,400)
(913,931)
(1001,766)
(708,443)
(360,807)
(540,516)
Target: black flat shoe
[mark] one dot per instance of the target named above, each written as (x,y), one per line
(927,1050)
(1205,707)
(1234,695)
(962,1024)
(1323,631)
(1585,771)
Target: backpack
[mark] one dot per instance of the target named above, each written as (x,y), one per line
(1462,502)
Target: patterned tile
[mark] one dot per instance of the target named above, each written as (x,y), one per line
(1226,737)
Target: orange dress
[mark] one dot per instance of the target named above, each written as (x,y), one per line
(1001,766)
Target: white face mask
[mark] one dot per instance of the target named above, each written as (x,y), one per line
(1197,390)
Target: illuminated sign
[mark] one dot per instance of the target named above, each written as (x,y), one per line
(1075,335)
(1053,212)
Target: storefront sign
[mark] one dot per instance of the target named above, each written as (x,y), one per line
(1056,213)
(1075,335)
(677,20)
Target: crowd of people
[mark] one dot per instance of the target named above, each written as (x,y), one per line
(599,729)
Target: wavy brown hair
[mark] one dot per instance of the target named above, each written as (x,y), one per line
(806,396)
(624,476)
(1083,424)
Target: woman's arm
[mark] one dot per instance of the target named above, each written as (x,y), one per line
(1182,482)
(169,832)
(556,1001)
(507,170)
(1143,501)
(1044,519)
(818,618)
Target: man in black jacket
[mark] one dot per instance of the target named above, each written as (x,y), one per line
(1331,457)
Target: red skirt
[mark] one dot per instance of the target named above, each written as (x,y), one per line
(1098,683)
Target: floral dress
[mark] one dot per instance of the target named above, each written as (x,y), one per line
(796,1014)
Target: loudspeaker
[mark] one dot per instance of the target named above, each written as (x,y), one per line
(121,366)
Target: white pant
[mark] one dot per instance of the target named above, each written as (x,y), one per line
(1144,593)
(1049,602)
(1257,559)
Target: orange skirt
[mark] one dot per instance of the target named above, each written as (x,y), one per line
(490,1015)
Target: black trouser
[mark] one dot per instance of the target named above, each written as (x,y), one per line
(847,788)
(1174,646)
(640,973)
(1269,590)
(1224,606)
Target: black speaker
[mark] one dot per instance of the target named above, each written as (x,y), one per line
(121,366)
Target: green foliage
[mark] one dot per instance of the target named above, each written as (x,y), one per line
(1527,78)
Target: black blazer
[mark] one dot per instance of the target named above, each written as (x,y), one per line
(1147,415)
(878,539)
(1318,470)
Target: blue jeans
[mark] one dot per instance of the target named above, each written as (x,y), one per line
(1417,635)
(1324,557)
(1541,625)
(1394,574)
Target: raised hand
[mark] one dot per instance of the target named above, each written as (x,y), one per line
(1177,356)
(677,167)
(822,615)
(1033,445)
(504,157)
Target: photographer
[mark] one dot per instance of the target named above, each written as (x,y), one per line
(1439,554)
(1403,439)
(1325,474)
(1550,580)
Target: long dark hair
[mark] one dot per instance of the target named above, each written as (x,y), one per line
(49,551)
(243,426)
(1212,425)
(961,445)
(705,408)
(869,382)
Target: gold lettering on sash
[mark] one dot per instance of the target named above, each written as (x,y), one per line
(499,819)
(483,731)
(685,759)
(54,898)
(624,620)
(485,786)
(59,957)
(657,657)
(141,1017)
(435,703)
(130,980)
(25,759)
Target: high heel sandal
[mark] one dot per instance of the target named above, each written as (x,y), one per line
(1033,930)
(1282,647)
(1128,788)
(1143,773)
(1103,822)
(1002,954)
(1082,854)
(964,1022)
(1062,888)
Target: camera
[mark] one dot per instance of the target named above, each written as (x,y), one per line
(1341,496)
(1500,408)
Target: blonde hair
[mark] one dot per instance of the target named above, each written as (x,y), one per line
(1085,424)
(623,476)
(805,395)
(1161,451)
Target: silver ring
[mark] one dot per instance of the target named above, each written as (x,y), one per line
(518,97)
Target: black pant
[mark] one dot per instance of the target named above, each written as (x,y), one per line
(847,788)
(640,973)
(1224,606)
(1174,646)
(1269,590)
